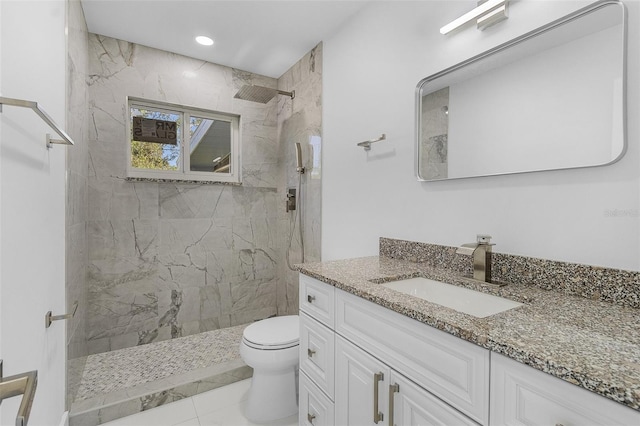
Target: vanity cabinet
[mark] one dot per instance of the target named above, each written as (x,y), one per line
(369,392)
(363,364)
(522,395)
(375,351)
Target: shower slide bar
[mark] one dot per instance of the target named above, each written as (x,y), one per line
(367,144)
(66,140)
(21,384)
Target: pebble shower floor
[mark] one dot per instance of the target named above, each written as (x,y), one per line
(127,381)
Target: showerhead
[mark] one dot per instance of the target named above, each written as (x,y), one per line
(260,93)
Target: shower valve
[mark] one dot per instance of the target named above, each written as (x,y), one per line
(291,199)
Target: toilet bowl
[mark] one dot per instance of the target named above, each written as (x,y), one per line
(270,347)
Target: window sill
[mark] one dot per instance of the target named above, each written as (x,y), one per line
(193,181)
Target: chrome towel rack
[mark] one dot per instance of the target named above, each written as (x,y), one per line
(367,144)
(66,140)
(21,384)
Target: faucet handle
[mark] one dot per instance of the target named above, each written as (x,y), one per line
(483,239)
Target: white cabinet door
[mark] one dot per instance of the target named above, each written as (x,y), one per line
(522,395)
(410,405)
(360,378)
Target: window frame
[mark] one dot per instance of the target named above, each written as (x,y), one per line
(184,173)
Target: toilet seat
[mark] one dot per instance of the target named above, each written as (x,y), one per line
(273,333)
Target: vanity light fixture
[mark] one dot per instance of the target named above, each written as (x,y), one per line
(487,13)
(204,40)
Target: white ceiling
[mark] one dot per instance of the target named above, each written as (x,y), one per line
(262,36)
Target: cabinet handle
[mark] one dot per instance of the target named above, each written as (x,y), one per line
(310,352)
(310,298)
(377,415)
(310,417)
(394,388)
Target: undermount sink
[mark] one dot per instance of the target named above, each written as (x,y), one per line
(461,299)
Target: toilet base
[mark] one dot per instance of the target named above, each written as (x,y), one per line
(272,396)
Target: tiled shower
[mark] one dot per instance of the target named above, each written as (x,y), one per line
(153,261)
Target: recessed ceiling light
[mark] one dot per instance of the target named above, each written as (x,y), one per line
(204,40)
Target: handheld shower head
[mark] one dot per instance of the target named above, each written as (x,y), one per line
(299,166)
(260,94)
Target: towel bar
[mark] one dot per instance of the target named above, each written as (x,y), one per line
(20,384)
(66,140)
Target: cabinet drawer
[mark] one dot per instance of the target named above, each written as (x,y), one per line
(315,409)
(316,299)
(452,369)
(522,395)
(317,349)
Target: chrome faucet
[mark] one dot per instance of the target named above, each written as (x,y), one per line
(481,252)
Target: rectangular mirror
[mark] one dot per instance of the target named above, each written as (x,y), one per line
(551,99)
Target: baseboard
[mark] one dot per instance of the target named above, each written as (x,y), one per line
(65,419)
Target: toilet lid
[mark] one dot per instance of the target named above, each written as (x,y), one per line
(276,331)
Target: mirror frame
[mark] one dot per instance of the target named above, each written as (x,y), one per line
(512,43)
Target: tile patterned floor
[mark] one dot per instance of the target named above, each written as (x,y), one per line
(219,407)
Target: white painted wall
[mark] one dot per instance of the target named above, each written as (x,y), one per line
(32,204)
(371,69)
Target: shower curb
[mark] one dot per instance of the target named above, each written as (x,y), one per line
(104,408)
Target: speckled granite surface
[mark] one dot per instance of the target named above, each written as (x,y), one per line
(125,368)
(127,381)
(597,283)
(591,343)
(203,182)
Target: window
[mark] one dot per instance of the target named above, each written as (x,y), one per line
(167,141)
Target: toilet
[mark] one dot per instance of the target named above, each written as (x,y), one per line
(270,347)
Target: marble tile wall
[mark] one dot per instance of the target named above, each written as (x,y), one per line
(300,120)
(435,129)
(76,203)
(171,259)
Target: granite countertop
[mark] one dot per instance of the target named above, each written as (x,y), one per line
(592,344)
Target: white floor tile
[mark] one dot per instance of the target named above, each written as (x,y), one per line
(191,422)
(225,396)
(219,407)
(165,415)
(233,415)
